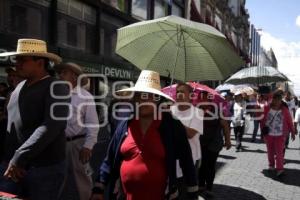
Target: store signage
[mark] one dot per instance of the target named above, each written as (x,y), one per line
(91,70)
(117,72)
(109,71)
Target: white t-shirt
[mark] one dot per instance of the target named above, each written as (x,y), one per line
(297,118)
(192,118)
(275,122)
(239,110)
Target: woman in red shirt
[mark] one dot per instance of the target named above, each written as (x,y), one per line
(144,150)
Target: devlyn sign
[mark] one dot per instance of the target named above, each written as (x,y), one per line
(111,72)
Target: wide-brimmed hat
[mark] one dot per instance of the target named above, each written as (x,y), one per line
(148,82)
(77,69)
(33,47)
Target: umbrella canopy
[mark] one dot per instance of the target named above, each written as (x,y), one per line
(243,89)
(178,47)
(197,89)
(232,87)
(257,75)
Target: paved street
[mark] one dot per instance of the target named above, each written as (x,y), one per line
(243,175)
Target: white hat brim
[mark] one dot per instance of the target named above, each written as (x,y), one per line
(51,56)
(147,90)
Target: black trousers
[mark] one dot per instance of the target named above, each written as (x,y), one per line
(238,133)
(207,170)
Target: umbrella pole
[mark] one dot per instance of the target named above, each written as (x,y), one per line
(172,81)
(179,38)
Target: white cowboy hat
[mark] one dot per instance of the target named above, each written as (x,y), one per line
(77,69)
(32,47)
(149,82)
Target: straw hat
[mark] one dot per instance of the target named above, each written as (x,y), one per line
(33,47)
(77,69)
(149,82)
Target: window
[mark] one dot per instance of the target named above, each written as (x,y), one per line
(2,15)
(62,6)
(21,20)
(118,4)
(160,8)
(78,10)
(198,5)
(108,41)
(177,10)
(108,35)
(90,15)
(139,8)
(218,22)
(76,25)
(72,34)
(18,15)
(45,3)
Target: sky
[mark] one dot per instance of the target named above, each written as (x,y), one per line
(279,21)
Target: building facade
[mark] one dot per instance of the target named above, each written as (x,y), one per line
(228,16)
(267,58)
(254,46)
(82,31)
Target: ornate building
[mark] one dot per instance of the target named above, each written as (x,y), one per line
(267,58)
(228,16)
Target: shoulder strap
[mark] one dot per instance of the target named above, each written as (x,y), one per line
(274,117)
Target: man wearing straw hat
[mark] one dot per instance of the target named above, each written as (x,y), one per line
(34,162)
(81,132)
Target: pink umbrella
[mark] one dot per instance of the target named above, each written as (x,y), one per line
(198,89)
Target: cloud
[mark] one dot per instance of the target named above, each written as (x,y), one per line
(287,54)
(298,21)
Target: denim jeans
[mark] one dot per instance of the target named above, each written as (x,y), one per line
(39,183)
(256,126)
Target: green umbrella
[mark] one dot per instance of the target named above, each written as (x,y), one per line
(257,75)
(186,50)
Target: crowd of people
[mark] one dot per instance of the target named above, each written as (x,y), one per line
(160,148)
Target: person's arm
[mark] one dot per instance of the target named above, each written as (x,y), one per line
(91,123)
(190,132)
(289,121)
(50,128)
(106,169)
(296,129)
(264,117)
(296,120)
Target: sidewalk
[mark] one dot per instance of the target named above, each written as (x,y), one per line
(243,175)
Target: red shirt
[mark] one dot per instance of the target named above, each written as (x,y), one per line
(143,169)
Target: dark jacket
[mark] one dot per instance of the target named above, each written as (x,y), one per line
(176,145)
(41,141)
